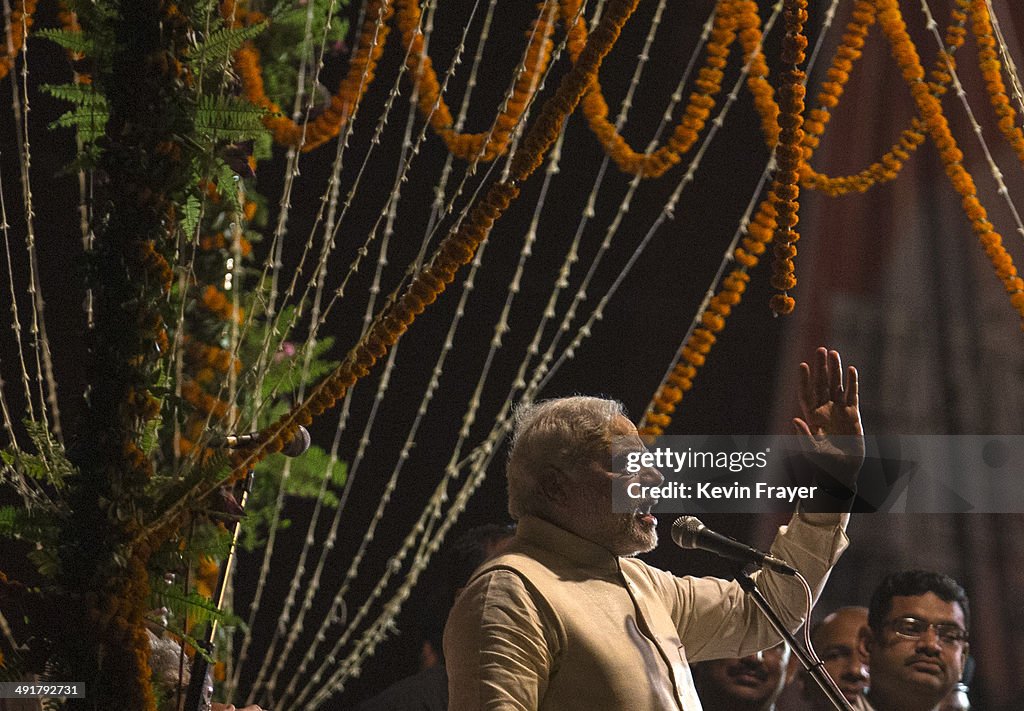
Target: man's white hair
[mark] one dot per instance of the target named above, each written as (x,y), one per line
(563,434)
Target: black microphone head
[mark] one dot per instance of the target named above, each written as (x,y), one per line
(685,530)
(299,444)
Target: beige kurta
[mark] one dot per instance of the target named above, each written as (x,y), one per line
(559,623)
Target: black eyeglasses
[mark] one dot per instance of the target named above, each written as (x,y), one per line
(912,628)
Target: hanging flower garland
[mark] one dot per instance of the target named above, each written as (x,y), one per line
(472,146)
(485,146)
(903,50)
(789,153)
(991,72)
(763,225)
(369,47)
(695,115)
(19,21)
(890,164)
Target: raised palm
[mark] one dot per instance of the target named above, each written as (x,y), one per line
(831,425)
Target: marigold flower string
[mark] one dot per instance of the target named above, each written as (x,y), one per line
(905,53)
(991,72)
(471,146)
(709,83)
(369,47)
(789,153)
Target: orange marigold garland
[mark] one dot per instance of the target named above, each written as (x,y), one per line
(890,164)
(695,115)
(991,72)
(472,146)
(328,124)
(903,50)
(789,153)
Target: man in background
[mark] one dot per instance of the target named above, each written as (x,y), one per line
(836,639)
(916,641)
(751,683)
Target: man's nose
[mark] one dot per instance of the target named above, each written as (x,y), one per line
(930,642)
(652,476)
(856,670)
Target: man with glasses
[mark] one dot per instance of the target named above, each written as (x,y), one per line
(916,641)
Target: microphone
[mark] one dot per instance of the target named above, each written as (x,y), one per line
(689,532)
(298,444)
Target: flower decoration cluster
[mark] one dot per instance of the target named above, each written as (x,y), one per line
(763,225)
(18,22)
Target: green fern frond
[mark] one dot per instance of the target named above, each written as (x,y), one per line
(72,41)
(190,214)
(286,375)
(193,606)
(89,121)
(228,118)
(221,43)
(50,465)
(28,525)
(79,94)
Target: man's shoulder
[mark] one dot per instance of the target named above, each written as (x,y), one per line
(520,559)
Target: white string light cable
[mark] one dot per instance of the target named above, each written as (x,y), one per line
(391,213)
(37,326)
(390,607)
(273,313)
(391,485)
(1004,53)
(15,326)
(997,174)
(544,372)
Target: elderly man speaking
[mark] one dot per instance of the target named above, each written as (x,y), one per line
(565,619)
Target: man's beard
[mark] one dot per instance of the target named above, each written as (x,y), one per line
(620,533)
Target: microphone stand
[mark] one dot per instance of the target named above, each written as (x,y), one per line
(815,669)
(200,690)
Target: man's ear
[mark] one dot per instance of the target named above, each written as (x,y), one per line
(555,485)
(865,643)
